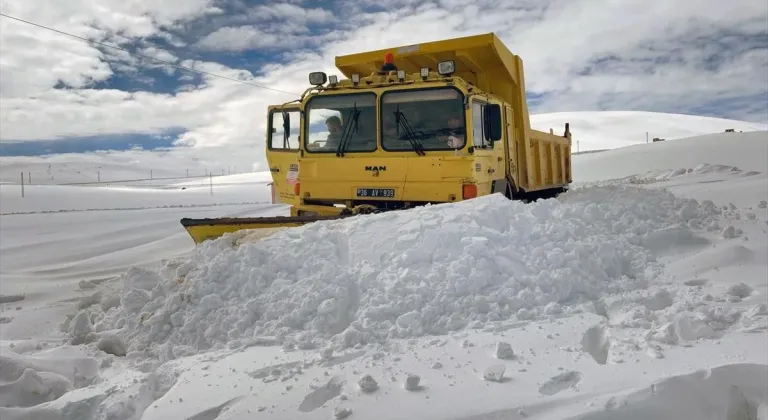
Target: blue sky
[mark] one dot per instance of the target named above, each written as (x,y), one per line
(64,95)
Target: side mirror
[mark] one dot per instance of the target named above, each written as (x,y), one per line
(492,122)
(286,125)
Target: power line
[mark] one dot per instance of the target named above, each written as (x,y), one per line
(169,63)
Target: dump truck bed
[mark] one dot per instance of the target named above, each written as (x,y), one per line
(547,162)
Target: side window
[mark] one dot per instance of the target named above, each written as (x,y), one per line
(478,134)
(277,140)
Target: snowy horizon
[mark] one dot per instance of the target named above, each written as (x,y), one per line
(599,130)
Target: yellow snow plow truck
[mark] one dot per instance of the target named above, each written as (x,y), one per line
(437,122)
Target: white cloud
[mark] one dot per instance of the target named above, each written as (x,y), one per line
(249,37)
(159,54)
(580,54)
(292,12)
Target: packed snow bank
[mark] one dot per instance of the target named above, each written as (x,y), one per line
(27,381)
(731,392)
(744,152)
(547,378)
(426,271)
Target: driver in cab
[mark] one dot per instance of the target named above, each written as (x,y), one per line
(334,137)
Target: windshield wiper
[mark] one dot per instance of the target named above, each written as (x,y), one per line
(411,135)
(352,117)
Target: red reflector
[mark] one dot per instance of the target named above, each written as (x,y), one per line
(296,188)
(469,191)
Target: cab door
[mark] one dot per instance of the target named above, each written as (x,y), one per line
(283,138)
(489,156)
(511,143)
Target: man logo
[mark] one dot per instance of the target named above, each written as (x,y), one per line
(375,168)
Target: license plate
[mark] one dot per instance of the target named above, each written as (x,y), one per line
(376,192)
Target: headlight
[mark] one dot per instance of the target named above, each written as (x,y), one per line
(425,72)
(355,78)
(446,67)
(401,75)
(317,78)
(333,79)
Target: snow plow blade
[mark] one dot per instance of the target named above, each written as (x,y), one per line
(202,230)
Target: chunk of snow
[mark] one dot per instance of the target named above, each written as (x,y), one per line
(596,343)
(740,290)
(111,344)
(504,350)
(560,382)
(341,412)
(368,384)
(411,382)
(729,232)
(760,309)
(80,326)
(661,299)
(494,373)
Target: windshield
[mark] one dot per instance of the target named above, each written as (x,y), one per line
(331,119)
(423,120)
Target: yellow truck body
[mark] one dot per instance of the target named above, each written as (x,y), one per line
(436,122)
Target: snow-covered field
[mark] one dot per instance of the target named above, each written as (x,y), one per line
(114,166)
(642,293)
(237,189)
(594,131)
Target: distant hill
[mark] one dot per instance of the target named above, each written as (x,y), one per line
(596,130)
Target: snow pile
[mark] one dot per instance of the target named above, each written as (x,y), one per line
(405,274)
(26,381)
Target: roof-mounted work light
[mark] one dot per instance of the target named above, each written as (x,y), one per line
(446,68)
(317,78)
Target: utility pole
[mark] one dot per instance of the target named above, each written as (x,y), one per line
(646,137)
(22,185)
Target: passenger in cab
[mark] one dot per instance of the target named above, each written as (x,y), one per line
(389,128)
